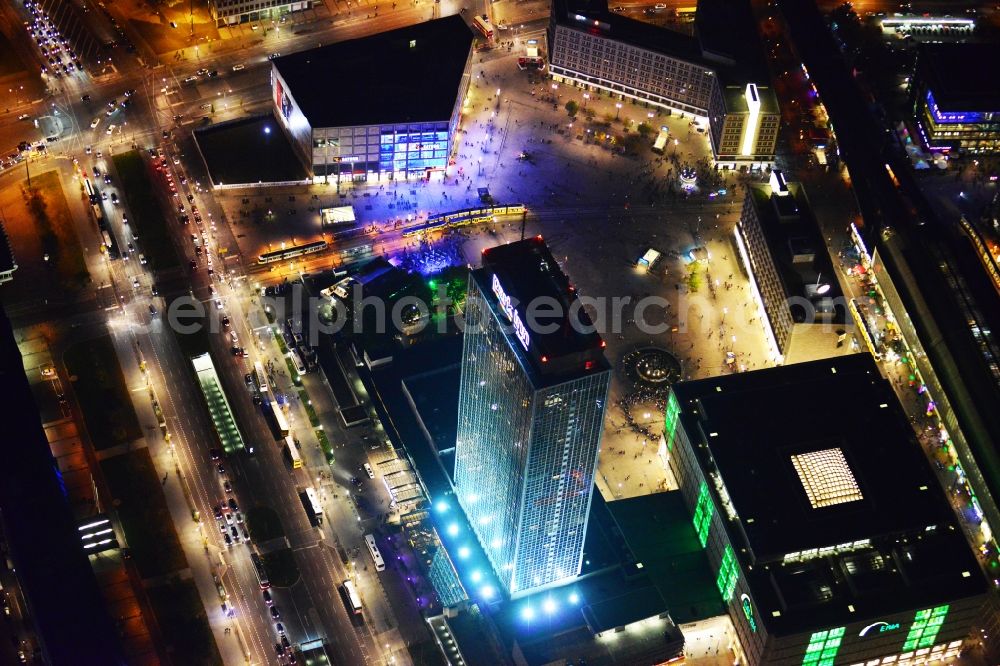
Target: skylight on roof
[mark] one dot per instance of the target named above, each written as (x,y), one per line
(826,477)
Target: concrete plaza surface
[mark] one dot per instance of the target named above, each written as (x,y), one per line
(597,208)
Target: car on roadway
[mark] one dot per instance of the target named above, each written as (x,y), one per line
(368,469)
(221,468)
(227,486)
(275,613)
(239,66)
(95,122)
(233,506)
(215,453)
(85,98)
(267,598)
(229,539)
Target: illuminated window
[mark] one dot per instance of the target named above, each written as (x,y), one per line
(728,573)
(926,625)
(703,514)
(671,420)
(823,647)
(826,478)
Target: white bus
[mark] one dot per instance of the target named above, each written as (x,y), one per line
(313,508)
(376,555)
(297,362)
(258,370)
(351,597)
(293,452)
(280,422)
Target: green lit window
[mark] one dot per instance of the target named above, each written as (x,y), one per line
(670,426)
(823,647)
(728,573)
(703,514)
(926,625)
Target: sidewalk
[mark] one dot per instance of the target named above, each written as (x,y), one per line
(201,557)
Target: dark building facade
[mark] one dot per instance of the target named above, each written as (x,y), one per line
(832,540)
(956,102)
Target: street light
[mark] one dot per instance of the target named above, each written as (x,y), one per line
(618,109)
(586,97)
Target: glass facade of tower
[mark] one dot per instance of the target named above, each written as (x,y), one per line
(526,452)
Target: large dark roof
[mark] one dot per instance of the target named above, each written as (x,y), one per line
(960,77)
(63,597)
(726,41)
(727,31)
(411,74)
(792,232)
(841,403)
(528,272)
(625,29)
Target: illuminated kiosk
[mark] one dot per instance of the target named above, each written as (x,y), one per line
(832,540)
(530,419)
(688,177)
(376,108)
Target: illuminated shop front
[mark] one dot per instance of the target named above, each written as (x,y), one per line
(886,330)
(349,122)
(956,105)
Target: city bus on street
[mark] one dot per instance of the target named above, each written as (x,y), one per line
(293,452)
(260,377)
(483,26)
(280,423)
(376,555)
(351,598)
(310,502)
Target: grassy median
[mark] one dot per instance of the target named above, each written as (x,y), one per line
(147,216)
(54,226)
(281,568)
(142,509)
(184,624)
(100,387)
(264,523)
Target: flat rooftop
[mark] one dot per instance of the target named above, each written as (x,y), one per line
(661,537)
(248,151)
(960,77)
(736,101)
(842,468)
(799,252)
(559,344)
(412,74)
(622,28)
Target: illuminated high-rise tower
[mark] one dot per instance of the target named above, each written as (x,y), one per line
(530,417)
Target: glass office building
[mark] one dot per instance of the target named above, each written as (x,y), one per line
(530,419)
